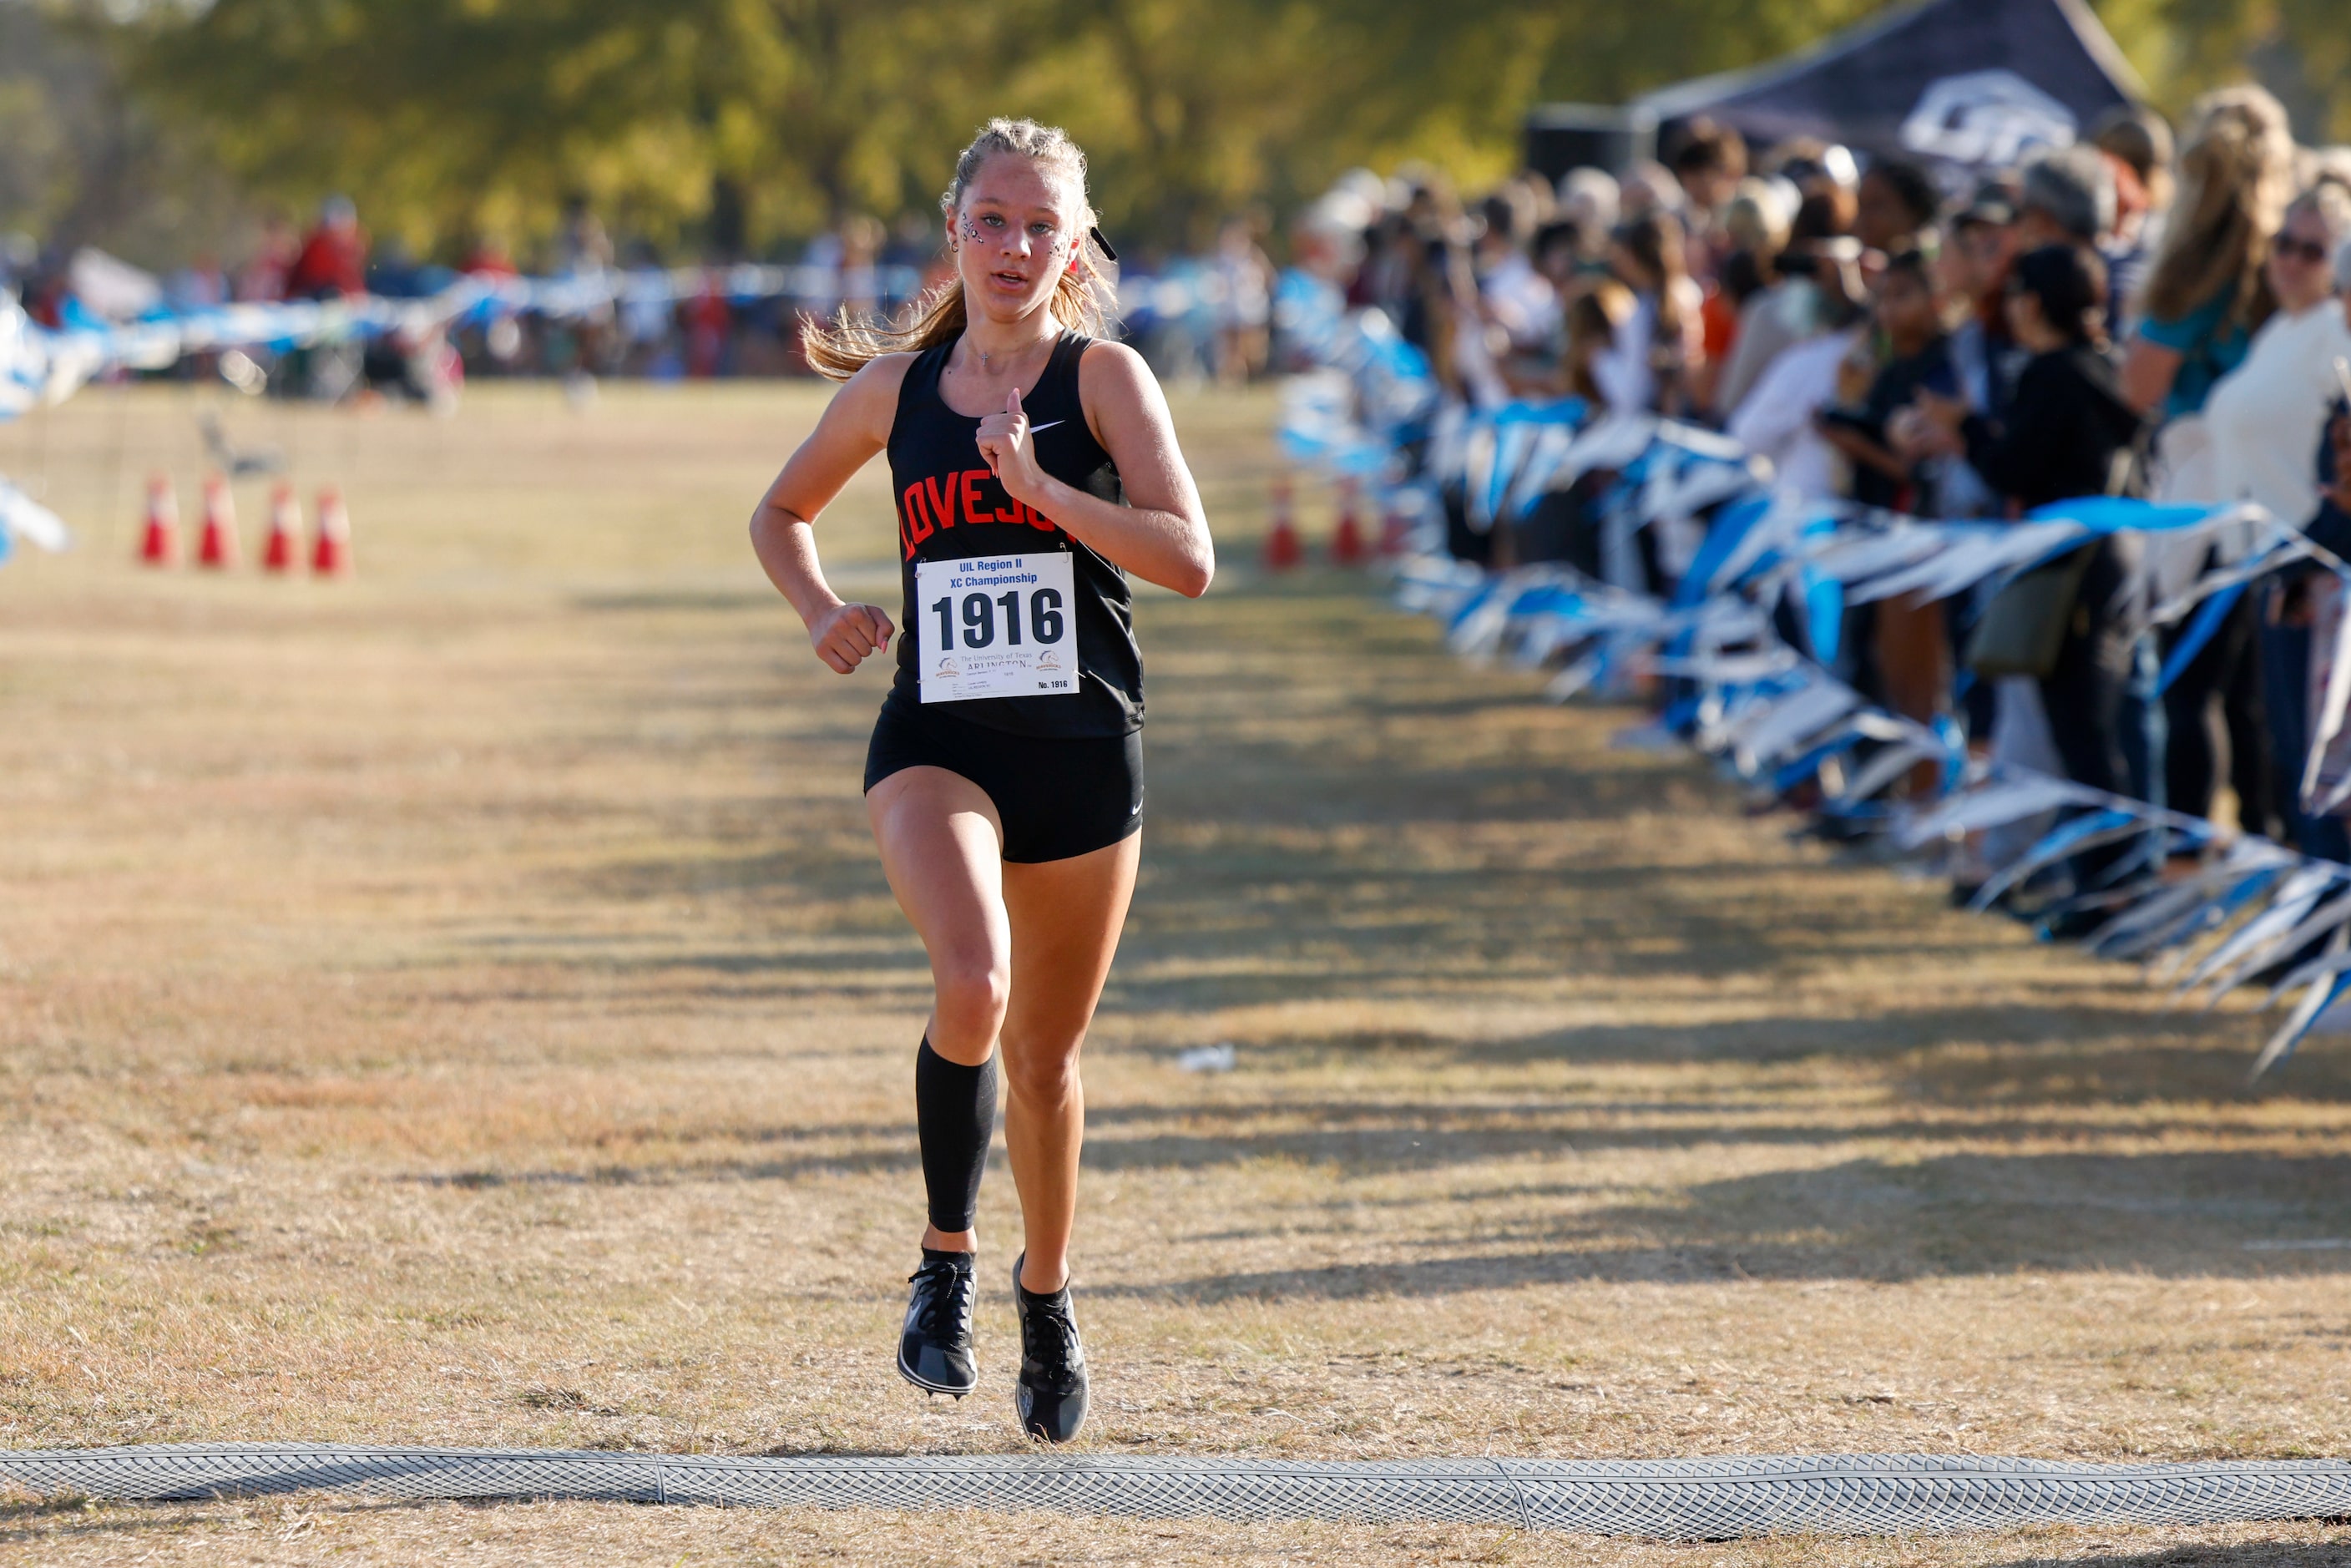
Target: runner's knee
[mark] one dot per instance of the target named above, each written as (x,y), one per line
(1042,1076)
(971,992)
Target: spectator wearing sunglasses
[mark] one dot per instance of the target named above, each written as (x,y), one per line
(2263,420)
(2264,416)
(2306,602)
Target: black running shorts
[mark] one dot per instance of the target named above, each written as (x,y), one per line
(1056,798)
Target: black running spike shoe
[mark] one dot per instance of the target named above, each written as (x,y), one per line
(934,1347)
(1052,1389)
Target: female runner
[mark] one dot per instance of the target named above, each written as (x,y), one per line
(1033,466)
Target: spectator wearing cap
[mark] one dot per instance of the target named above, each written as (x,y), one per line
(2066,197)
(2075,197)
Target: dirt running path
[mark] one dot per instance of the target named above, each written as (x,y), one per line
(459,1006)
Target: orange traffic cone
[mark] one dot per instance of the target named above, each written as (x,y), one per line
(1281,547)
(1347,539)
(331,555)
(284,550)
(161,545)
(218,547)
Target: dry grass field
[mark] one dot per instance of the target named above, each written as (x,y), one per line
(459,1005)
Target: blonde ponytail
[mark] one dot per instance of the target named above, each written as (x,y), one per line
(1084,298)
(2236,172)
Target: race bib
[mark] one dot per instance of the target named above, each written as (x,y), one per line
(998,626)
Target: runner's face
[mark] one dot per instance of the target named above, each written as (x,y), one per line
(1014,236)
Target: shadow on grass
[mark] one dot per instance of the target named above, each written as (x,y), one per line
(18,1508)
(2202,1216)
(2120,1041)
(2333,1553)
(2021,1056)
(125,1524)
(1338,807)
(2172,1215)
(1344,816)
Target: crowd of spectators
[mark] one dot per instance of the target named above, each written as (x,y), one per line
(654,325)
(2139,314)
(2135,314)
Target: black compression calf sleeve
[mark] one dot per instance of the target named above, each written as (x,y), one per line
(955,1115)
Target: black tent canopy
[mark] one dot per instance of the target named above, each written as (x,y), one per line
(1967,81)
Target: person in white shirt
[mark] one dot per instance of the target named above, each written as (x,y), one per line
(2265,417)
(1516,299)
(1659,349)
(1778,418)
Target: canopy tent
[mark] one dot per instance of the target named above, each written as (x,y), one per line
(1968,81)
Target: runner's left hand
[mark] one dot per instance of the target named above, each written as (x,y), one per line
(1003,441)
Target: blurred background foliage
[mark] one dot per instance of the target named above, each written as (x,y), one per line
(734,126)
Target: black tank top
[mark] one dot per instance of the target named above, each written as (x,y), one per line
(950,507)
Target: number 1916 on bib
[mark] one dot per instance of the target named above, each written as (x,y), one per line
(997,626)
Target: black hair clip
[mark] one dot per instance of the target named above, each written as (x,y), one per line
(1103,245)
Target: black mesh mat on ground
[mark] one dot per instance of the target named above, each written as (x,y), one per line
(1669,1499)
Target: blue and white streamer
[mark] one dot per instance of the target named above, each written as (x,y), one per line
(1779,719)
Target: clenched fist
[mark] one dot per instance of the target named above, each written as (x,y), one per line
(843,637)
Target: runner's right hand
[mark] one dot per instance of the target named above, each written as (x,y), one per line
(845,636)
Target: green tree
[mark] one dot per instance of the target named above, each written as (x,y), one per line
(775,117)
(2302,48)
(82,161)
(445,114)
